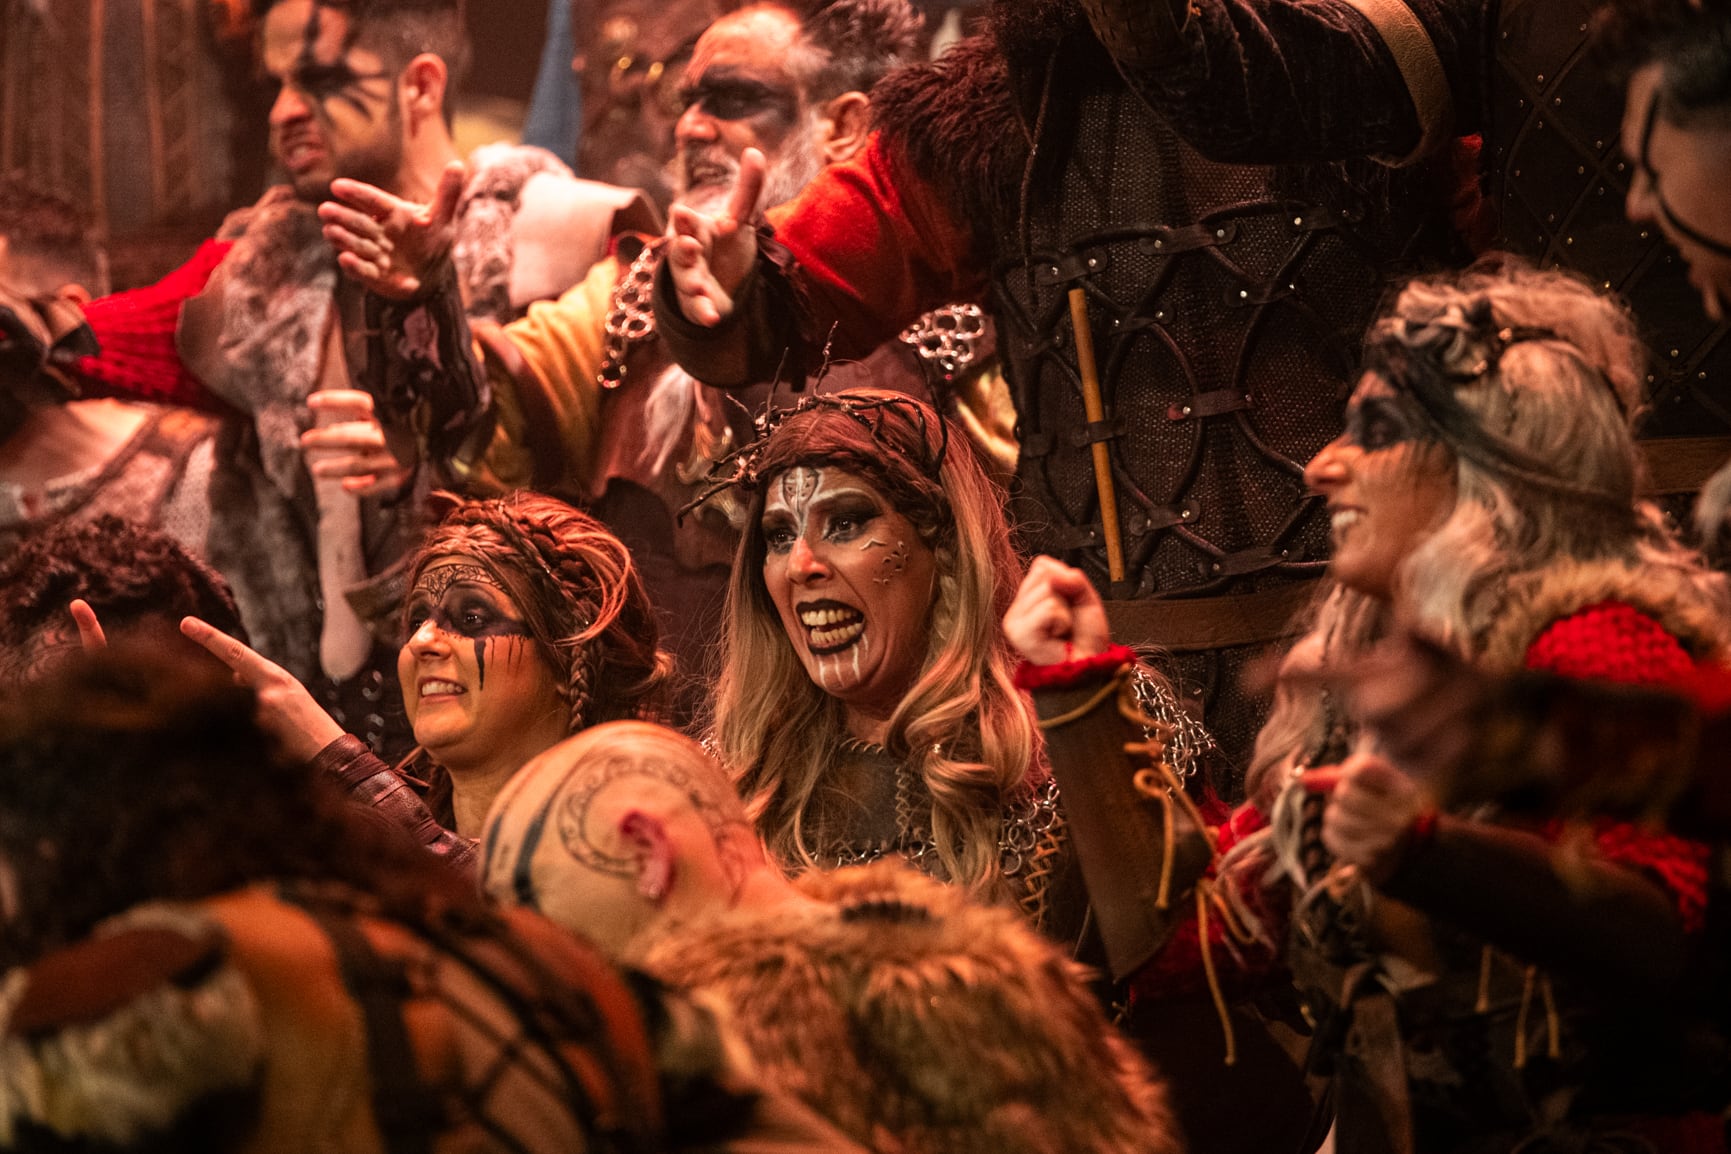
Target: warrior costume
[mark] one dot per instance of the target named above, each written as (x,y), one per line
(1225,303)
(1485,994)
(1279,81)
(588,406)
(302,1017)
(257,321)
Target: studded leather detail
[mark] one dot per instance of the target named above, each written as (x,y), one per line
(1559,180)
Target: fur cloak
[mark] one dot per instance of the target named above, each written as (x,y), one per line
(921,1023)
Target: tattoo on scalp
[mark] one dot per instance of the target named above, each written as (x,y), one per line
(573,807)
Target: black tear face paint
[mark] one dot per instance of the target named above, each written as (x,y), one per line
(463,600)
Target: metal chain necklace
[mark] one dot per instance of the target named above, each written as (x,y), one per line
(630,317)
(1024,820)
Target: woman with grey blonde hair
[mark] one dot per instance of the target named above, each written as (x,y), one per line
(1476,984)
(1505,398)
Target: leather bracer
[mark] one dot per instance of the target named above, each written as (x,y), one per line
(1140,844)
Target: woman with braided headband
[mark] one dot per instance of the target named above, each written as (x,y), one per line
(1473,984)
(524,623)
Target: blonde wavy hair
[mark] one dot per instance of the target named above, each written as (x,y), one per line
(1547,375)
(962,725)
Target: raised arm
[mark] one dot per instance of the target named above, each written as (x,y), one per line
(308,734)
(1293,81)
(863,251)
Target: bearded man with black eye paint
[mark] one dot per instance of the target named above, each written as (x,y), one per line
(259,328)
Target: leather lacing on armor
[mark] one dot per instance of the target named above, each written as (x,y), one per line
(1162,785)
(549,1018)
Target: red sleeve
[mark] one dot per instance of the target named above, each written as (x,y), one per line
(876,247)
(136,331)
(1079,671)
(1611,641)
(1178,969)
(1614,641)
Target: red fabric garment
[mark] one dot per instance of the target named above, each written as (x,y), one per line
(1611,641)
(1070,674)
(136,330)
(1710,688)
(876,248)
(1614,641)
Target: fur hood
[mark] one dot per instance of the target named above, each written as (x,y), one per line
(1531,603)
(917,1021)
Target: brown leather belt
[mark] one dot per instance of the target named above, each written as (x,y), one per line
(1194,624)
(1682,464)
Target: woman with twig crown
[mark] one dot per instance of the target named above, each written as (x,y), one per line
(866,702)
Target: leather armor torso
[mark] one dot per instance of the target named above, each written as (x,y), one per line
(1226,304)
(1226,309)
(1559,180)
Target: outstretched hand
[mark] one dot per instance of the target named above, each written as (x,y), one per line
(285,709)
(392,246)
(1057,615)
(712,253)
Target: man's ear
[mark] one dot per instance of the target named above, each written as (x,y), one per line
(422,85)
(847,122)
(646,836)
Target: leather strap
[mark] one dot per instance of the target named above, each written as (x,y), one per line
(1677,465)
(1094,432)
(1210,404)
(1420,66)
(406,1109)
(1201,623)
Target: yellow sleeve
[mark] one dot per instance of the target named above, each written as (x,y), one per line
(546,400)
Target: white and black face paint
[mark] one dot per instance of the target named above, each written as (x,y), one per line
(851,579)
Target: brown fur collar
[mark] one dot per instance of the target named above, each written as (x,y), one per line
(1532,603)
(954,122)
(919,1022)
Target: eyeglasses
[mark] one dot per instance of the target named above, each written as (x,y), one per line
(1670,218)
